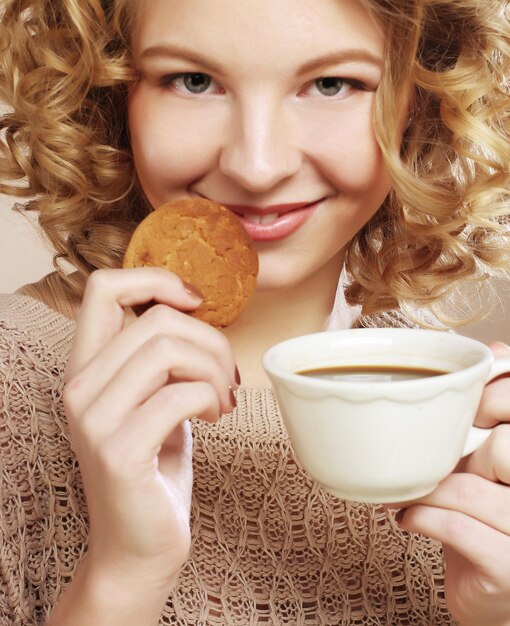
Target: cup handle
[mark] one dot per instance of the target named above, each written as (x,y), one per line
(477,436)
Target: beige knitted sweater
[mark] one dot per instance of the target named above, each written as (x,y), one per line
(269,546)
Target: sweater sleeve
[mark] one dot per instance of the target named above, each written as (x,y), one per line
(42,528)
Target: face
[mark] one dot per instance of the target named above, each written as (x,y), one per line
(264,106)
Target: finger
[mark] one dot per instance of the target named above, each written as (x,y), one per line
(157,321)
(501,350)
(492,459)
(495,403)
(472,495)
(151,427)
(480,544)
(108,292)
(157,362)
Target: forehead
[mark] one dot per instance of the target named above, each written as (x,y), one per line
(239,28)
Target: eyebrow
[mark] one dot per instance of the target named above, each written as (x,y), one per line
(173,52)
(342,56)
(331,58)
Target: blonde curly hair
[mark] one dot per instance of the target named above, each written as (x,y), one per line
(65,68)
(446,219)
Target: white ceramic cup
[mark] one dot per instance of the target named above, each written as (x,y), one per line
(383,441)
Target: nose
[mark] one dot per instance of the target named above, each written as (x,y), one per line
(261,149)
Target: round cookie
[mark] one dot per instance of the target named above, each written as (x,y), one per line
(206,245)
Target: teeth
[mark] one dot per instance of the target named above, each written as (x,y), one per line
(261,219)
(270,217)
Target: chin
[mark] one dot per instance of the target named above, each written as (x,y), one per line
(278,281)
(289,271)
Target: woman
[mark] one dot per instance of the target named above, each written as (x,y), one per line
(370,136)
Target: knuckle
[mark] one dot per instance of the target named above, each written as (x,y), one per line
(99,280)
(220,342)
(499,442)
(159,315)
(88,424)
(70,396)
(494,403)
(162,344)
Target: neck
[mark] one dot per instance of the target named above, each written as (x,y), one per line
(273,316)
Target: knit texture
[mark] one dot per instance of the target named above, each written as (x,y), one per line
(269,546)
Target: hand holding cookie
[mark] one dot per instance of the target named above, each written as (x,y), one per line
(205,244)
(132,387)
(130,391)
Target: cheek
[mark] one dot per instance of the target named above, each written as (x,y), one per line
(348,155)
(170,149)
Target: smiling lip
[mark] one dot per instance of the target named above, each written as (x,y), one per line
(274,222)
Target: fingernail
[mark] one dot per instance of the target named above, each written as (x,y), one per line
(237,376)
(399,515)
(233,400)
(192,290)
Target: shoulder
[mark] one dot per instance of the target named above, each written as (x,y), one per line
(35,341)
(52,292)
(36,314)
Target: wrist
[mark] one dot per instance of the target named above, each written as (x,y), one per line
(103,593)
(121,571)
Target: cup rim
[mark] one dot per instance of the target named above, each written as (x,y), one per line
(282,373)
